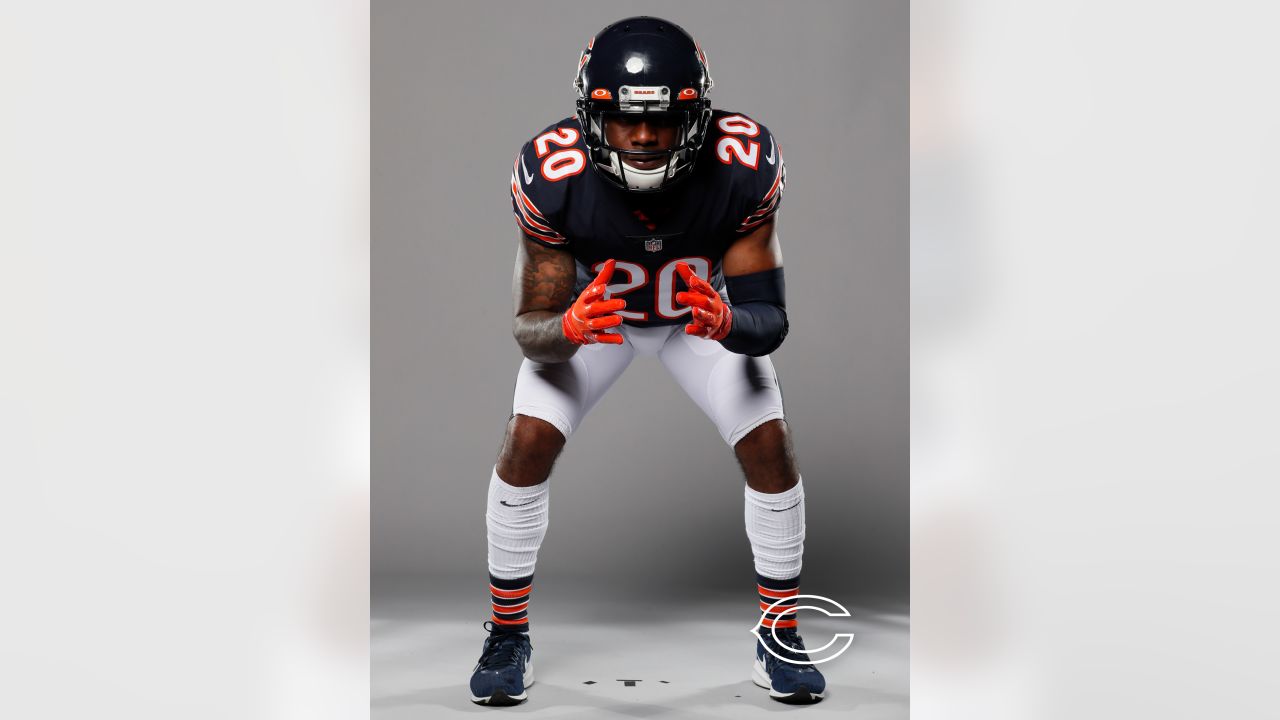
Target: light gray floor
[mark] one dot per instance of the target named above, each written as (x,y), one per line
(423,646)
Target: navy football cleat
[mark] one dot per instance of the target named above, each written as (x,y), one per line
(788,682)
(504,671)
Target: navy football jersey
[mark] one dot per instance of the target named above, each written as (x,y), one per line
(560,201)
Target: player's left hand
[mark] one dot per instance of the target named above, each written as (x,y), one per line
(712,318)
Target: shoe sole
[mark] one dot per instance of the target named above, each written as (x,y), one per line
(501,699)
(800,697)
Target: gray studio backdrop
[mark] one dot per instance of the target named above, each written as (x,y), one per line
(646,490)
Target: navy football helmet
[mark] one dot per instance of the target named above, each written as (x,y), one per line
(649,66)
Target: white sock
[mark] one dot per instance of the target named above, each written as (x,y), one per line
(775,527)
(516,519)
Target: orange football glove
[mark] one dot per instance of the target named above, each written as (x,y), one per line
(712,318)
(586,321)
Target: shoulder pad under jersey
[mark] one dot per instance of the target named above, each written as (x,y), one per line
(753,163)
(541,178)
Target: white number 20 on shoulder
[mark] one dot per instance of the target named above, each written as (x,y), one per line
(560,164)
(729,148)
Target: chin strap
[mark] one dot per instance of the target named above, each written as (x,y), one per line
(637,179)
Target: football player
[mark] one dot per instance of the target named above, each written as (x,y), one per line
(647,228)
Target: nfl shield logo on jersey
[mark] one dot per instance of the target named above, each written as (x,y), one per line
(653,244)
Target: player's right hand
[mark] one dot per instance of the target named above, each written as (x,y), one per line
(590,316)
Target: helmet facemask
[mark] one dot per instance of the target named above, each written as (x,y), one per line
(690,126)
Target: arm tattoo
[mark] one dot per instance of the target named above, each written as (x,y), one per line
(544,278)
(543,290)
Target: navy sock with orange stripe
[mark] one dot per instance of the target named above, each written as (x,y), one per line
(510,599)
(771,591)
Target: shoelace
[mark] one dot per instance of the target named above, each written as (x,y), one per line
(790,646)
(501,650)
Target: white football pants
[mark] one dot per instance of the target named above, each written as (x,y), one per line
(738,392)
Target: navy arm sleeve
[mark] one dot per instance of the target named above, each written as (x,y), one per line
(759,313)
